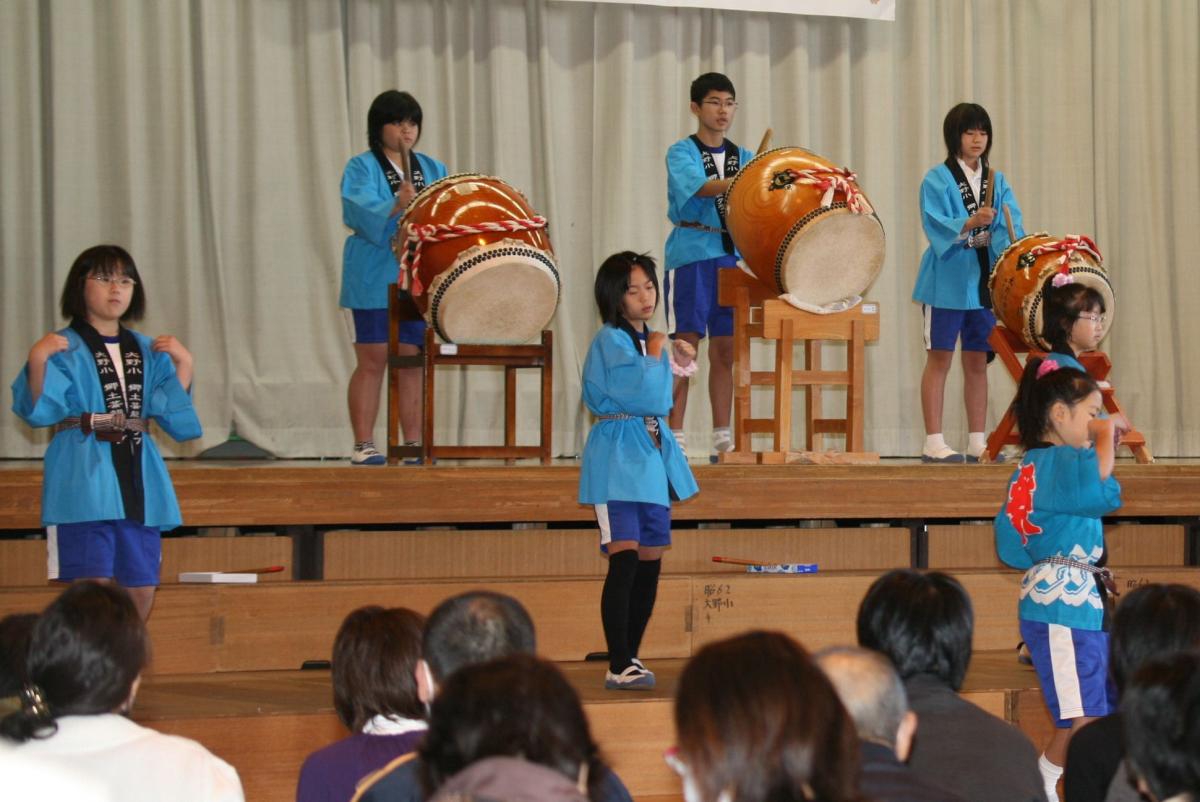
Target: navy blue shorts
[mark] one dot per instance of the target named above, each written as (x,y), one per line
(123,550)
(943,327)
(369,326)
(646,524)
(692,299)
(1072,668)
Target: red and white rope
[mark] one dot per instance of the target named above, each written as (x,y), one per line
(836,179)
(1067,246)
(418,235)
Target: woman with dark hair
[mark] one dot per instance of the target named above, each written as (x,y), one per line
(1161,713)
(377,187)
(85,661)
(106,494)
(1151,621)
(966,236)
(510,729)
(758,721)
(375,656)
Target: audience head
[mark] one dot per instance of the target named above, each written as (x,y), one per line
(472,628)
(921,621)
(873,695)
(15,631)
(86,654)
(516,706)
(375,658)
(1161,718)
(757,720)
(1152,621)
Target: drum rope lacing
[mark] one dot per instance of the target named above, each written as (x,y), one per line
(1067,246)
(839,179)
(418,235)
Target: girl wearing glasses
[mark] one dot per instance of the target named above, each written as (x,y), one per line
(106,493)
(1072,320)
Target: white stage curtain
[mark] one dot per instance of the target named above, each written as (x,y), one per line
(209,137)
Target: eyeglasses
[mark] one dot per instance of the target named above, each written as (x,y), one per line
(1093,317)
(124,282)
(713,103)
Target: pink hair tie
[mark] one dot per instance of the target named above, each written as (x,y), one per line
(1062,279)
(1048,366)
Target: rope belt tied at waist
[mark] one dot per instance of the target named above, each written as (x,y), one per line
(700,227)
(1103,575)
(110,427)
(616,416)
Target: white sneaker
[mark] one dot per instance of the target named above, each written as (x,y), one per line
(367,454)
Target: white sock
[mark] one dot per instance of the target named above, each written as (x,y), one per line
(722,439)
(975,443)
(935,446)
(681,439)
(1050,775)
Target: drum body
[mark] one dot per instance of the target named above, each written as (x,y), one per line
(803,227)
(486,277)
(1019,277)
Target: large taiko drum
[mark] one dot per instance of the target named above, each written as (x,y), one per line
(1020,274)
(804,227)
(477,261)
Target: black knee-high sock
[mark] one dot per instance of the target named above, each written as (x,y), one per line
(614,607)
(641,604)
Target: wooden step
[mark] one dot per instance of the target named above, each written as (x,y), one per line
(265,723)
(974,546)
(277,626)
(23,562)
(513,553)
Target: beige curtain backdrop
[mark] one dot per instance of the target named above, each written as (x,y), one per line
(209,137)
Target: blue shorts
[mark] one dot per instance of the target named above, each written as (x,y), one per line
(123,550)
(646,524)
(1072,668)
(369,326)
(692,298)
(943,326)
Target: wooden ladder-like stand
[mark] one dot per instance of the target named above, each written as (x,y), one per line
(1008,345)
(758,313)
(510,357)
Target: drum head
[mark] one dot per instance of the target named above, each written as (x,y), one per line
(830,255)
(499,294)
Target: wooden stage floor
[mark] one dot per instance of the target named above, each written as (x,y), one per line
(327,493)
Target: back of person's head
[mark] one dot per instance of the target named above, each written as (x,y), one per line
(375,657)
(612,282)
(101,261)
(921,621)
(1152,621)
(962,118)
(710,82)
(1161,719)
(1062,306)
(392,106)
(15,632)
(87,650)
(758,720)
(475,627)
(870,689)
(1037,395)
(516,706)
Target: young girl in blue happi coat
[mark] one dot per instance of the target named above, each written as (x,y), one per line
(1050,526)
(632,466)
(106,493)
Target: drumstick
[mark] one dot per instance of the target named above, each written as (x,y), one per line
(991,187)
(1012,231)
(736,561)
(270,569)
(765,143)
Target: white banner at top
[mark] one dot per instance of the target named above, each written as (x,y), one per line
(865,9)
